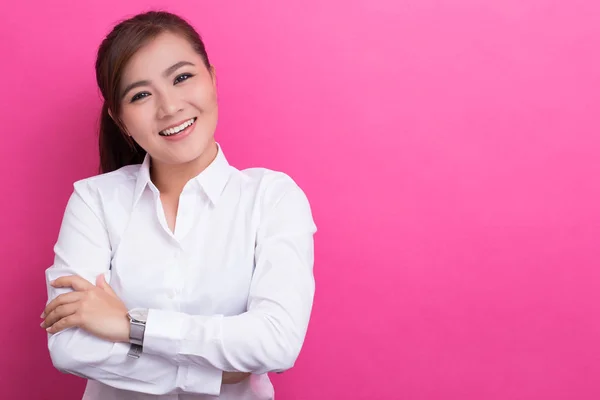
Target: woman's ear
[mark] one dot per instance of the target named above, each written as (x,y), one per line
(213,73)
(110,114)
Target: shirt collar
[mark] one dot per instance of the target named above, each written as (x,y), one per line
(212,180)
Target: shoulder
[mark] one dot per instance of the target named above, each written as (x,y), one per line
(107,186)
(270,185)
(278,196)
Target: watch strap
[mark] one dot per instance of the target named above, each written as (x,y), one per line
(136,332)
(135,350)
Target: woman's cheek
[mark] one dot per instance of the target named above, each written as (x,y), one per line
(141,124)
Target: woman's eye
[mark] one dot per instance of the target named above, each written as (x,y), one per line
(183,77)
(139,96)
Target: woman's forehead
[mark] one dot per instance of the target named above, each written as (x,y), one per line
(154,58)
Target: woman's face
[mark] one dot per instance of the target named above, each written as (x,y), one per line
(169,100)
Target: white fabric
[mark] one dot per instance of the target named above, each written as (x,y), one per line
(230,290)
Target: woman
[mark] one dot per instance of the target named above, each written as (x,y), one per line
(175,274)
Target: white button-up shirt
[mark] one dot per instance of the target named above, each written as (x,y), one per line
(231,289)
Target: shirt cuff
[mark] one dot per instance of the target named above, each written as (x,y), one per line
(203,379)
(163,334)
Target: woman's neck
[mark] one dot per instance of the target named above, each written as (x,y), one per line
(170,179)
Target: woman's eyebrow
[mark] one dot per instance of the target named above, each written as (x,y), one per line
(176,66)
(133,86)
(167,72)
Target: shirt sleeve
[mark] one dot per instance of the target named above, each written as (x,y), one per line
(83,248)
(269,335)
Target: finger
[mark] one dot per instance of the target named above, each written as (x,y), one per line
(59,313)
(108,289)
(101,282)
(73,281)
(65,323)
(60,300)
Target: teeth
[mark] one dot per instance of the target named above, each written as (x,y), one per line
(177,129)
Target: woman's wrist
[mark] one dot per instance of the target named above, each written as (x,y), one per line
(125,330)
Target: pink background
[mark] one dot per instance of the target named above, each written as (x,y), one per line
(450,152)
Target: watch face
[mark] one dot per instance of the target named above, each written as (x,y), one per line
(139,314)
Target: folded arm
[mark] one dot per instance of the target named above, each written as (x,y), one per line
(269,336)
(190,352)
(83,249)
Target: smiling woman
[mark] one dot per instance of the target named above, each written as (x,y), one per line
(148,69)
(175,273)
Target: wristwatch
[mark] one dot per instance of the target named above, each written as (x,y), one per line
(137,328)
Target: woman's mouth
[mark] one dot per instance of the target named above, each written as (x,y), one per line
(177,130)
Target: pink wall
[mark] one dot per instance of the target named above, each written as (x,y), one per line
(450,151)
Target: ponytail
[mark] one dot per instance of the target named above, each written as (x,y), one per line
(117,149)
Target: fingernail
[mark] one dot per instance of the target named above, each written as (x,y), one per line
(52,282)
(43,315)
(42,324)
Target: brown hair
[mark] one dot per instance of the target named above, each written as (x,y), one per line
(117,148)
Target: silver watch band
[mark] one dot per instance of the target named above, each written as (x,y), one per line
(135,350)
(137,328)
(136,332)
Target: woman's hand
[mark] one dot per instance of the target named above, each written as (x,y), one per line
(96,309)
(230,378)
